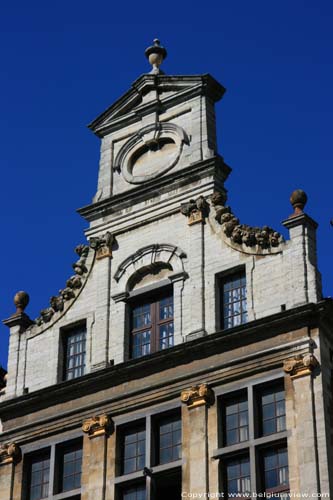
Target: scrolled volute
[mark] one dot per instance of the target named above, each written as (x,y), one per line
(198,395)
(98,426)
(10,454)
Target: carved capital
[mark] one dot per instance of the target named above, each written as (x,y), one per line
(103,245)
(198,395)
(10,454)
(300,365)
(195,210)
(98,426)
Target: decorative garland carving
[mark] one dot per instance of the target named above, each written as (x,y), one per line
(198,395)
(102,245)
(196,210)
(74,283)
(242,234)
(300,365)
(98,426)
(10,454)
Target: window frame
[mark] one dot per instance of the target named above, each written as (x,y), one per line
(67,332)
(150,421)
(229,398)
(220,280)
(53,449)
(153,298)
(256,442)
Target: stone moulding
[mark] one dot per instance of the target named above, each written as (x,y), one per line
(149,255)
(300,365)
(98,426)
(198,395)
(242,237)
(150,138)
(10,454)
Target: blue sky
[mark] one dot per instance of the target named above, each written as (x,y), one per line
(63,63)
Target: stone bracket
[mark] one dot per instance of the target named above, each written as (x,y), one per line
(198,395)
(10,454)
(195,210)
(300,365)
(98,426)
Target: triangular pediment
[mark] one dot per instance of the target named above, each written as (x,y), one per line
(151,93)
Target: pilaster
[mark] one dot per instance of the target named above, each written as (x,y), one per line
(301,421)
(10,456)
(94,464)
(195,474)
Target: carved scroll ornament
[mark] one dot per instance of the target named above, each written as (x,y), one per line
(10,454)
(198,395)
(98,426)
(300,365)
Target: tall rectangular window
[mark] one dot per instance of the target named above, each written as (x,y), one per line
(152,326)
(235,419)
(233,294)
(75,353)
(133,449)
(275,467)
(70,458)
(272,410)
(39,476)
(169,439)
(237,477)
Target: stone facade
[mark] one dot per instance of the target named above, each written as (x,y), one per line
(160,220)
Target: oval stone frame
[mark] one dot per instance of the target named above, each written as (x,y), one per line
(150,138)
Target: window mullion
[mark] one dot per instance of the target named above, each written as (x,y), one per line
(52,471)
(154,317)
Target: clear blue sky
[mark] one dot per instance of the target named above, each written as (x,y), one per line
(62,63)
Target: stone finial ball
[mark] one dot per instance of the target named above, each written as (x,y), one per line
(298,199)
(21,300)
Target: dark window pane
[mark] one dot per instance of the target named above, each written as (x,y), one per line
(134,493)
(152,326)
(169,437)
(234,300)
(75,353)
(39,477)
(275,462)
(273,410)
(235,422)
(133,449)
(71,466)
(237,472)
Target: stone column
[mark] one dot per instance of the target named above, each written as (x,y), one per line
(301,423)
(195,478)
(10,456)
(94,464)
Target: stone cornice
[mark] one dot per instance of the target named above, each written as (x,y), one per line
(252,332)
(98,426)
(10,454)
(199,395)
(211,167)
